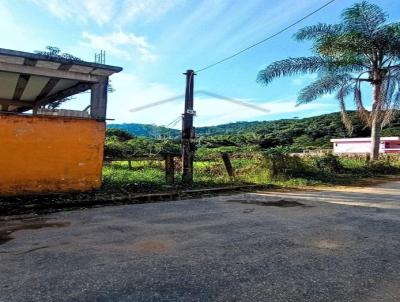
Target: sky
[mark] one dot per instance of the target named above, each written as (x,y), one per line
(155,41)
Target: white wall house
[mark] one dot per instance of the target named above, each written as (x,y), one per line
(363,145)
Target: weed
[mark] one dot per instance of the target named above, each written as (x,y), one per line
(251,168)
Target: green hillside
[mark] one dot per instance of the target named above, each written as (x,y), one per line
(299,133)
(145,130)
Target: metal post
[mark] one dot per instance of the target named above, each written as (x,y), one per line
(188,133)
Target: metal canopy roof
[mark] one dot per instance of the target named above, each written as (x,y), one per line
(28,80)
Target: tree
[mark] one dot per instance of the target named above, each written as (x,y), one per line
(362,49)
(121,135)
(55,52)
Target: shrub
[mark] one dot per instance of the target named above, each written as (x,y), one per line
(380,167)
(328,164)
(114,148)
(118,133)
(279,150)
(285,165)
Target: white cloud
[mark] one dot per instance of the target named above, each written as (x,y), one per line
(221,113)
(226,26)
(105,11)
(304,79)
(126,45)
(16,34)
(133,10)
(329,96)
(99,11)
(132,92)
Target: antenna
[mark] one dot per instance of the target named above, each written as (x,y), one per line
(100,58)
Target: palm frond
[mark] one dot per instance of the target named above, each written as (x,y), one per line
(349,46)
(390,99)
(387,39)
(317,31)
(348,124)
(362,113)
(292,66)
(344,91)
(324,85)
(388,117)
(391,86)
(363,17)
(391,30)
(392,102)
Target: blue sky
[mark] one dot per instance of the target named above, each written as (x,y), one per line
(155,41)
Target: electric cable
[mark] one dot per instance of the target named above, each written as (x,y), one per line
(266,39)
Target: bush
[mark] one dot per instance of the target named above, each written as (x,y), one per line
(282,150)
(285,165)
(380,167)
(328,164)
(114,148)
(119,134)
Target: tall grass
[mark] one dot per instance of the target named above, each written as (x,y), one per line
(142,176)
(251,168)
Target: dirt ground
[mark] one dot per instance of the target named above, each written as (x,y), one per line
(339,244)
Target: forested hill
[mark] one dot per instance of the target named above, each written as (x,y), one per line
(313,131)
(146,130)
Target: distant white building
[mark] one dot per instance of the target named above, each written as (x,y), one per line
(363,145)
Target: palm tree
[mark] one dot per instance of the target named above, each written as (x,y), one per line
(361,49)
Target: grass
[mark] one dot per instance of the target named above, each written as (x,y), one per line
(255,169)
(142,176)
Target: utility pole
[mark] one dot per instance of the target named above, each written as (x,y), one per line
(188,132)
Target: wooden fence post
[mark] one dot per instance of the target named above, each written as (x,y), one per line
(228,165)
(169,169)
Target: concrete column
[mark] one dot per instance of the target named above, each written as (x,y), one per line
(98,100)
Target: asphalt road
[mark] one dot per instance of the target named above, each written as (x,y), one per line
(328,245)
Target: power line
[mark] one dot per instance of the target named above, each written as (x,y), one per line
(267,38)
(238,102)
(174,122)
(174,98)
(217,96)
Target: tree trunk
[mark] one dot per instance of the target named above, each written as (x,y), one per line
(376,120)
(375,138)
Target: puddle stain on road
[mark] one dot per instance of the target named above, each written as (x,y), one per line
(7,228)
(283,203)
(154,246)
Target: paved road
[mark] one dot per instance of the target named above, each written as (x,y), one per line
(329,245)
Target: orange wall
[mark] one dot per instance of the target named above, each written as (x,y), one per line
(49,154)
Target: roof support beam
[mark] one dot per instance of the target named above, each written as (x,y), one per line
(52,83)
(21,85)
(63,94)
(23,80)
(16,103)
(51,73)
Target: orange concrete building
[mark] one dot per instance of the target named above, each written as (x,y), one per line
(47,151)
